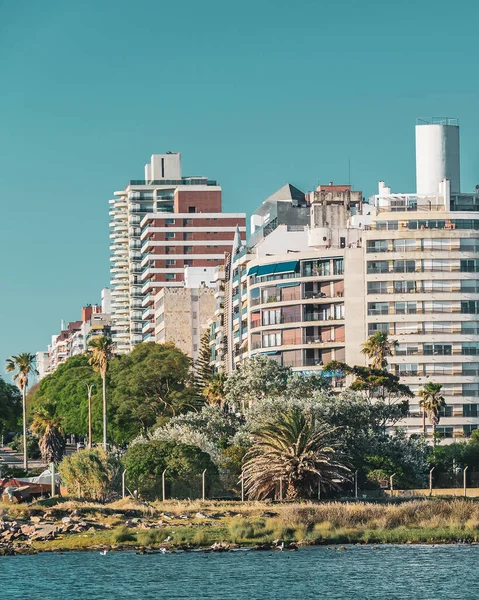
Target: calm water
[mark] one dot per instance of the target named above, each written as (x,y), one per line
(413,572)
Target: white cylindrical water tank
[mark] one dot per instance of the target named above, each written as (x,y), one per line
(437,155)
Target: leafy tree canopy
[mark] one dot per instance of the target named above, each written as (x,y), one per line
(10,407)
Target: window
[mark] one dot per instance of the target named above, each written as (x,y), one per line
(377,246)
(406,350)
(404,266)
(445,411)
(470,369)
(338,266)
(195,331)
(437,349)
(169,235)
(191,209)
(469,307)
(404,245)
(470,327)
(405,308)
(469,286)
(407,370)
(378,308)
(469,410)
(170,263)
(169,250)
(437,244)
(170,276)
(377,287)
(195,347)
(445,432)
(470,348)
(469,266)
(469,245)
(404,287)
(468,429)
(195,316)
(188,235)
(271,317)
(188,249)
(187,222)
(381,266)
(271,339)
(373,327)
(470,389)
(317,268)
(188,262)
(169,221)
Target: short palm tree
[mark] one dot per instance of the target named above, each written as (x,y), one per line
(294,449)
(431,403)
(24,365)
(214,391)
(51,434)
(378,347)
(101,352)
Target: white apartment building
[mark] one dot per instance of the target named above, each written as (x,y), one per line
(160,225)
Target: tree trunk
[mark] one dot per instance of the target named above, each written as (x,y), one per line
(25,455)
(424,421)
(292,492)
(90,429)
(104,413)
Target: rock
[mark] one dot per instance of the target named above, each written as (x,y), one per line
(35,519)
(200,515)
(28,529)
(66,520)
(167,516)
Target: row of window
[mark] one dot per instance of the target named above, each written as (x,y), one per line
(448,432)
(415,224)
(436,368)
(422,266)
(423,286)
(465,307)
(411,349)
(423,245)
(426,328)
(294,314)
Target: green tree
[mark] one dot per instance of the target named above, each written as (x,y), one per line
(378,347)
(431,403)
(298,450)
(214,391)
(24,367)
(150,385)
(101,353)
(10,407)
(256,379)
(64,391)
(203,368)
(94,473)
(184,465)
(51,435)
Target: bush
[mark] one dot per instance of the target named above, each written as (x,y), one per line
(33,448)
(123,534)
(184,464)
(96,472)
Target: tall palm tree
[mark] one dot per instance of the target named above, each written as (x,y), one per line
(102,350)
(214,391)
(378,347)
(50,430)
(431,403)
(25,366)
(294,449)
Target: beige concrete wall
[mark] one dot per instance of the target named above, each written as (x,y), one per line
(455,492)
(354,305)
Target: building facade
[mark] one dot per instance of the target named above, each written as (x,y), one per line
(160,225)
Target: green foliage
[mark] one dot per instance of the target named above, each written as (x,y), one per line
(261,377)
(146,461)
(297,449)
(96,472)
(123,534)
(149,385)
(378,347)
(432,401)
(51,434)
(203,369)
(10,407)
(33,449)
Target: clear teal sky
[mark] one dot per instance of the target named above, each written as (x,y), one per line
(253,93)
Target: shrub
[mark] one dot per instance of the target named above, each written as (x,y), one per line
(95,472)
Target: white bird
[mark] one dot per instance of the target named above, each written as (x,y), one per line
(103,552)
(168,539)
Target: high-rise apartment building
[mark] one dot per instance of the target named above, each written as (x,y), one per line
(406,264)
(160,225)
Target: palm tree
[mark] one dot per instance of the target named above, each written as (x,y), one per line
(296,449)
(50,431)
(431,403)
(377,348)
(24,365)
(102,351)
(214,391)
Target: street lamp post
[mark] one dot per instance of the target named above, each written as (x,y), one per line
(89,387)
